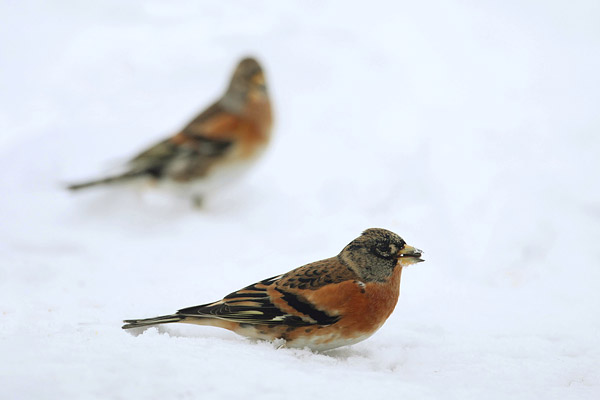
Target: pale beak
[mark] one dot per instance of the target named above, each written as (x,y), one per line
(409,255)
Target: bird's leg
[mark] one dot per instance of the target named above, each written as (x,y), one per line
(197,201)
(280,343)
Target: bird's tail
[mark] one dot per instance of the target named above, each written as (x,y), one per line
(165,319)
(111,179)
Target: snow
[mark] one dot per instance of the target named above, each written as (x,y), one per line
(469,128)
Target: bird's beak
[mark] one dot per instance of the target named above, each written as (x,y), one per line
(409,255)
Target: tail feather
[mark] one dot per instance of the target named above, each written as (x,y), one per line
(111,179)
(165,319)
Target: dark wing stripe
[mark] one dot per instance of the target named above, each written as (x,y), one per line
(209,147)
(306,308)
(270,280)
(252,305)
(196,310)
(259,288)
(262,312)
(246,294)
(244,300)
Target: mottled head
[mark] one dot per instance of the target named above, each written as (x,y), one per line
(248,77)
(374,255)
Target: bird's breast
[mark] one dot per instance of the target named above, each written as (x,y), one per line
(362,307)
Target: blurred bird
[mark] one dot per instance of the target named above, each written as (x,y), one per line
(330,303)
(215,147)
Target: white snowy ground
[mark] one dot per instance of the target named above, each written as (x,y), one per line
(469,128)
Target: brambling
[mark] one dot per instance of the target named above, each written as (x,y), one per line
(326,304)
(216,146)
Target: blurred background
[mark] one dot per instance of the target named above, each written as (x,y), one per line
(469,128)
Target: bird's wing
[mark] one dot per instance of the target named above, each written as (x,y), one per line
(196,146)
(155,155)
(213,123)
(278,300)
(252,305)
(197,152)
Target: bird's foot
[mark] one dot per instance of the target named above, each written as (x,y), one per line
(197,201)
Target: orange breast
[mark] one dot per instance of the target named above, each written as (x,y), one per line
(363,308)
(250,130)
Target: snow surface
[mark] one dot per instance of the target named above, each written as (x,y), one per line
(470,128)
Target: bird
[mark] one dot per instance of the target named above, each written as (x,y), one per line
(216,147)
(323,305)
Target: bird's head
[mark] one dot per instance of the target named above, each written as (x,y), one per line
(377,252)
(248,77)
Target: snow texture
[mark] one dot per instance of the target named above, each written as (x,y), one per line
(469,128)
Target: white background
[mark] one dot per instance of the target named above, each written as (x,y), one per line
(469,128)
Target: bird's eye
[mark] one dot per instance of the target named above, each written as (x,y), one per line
(383,250)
